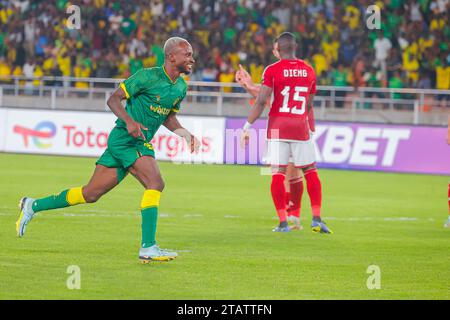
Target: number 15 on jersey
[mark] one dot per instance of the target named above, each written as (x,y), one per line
(299,108)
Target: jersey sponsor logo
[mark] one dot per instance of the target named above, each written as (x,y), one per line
(159,110)
(295,73)
(148,145)
(43,131)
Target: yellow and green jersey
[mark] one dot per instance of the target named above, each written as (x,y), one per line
(151,95)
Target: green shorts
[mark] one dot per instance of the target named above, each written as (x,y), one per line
(123,150)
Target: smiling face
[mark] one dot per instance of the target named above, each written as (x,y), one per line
(182,57)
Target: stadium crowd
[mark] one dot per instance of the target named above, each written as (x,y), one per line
(118,37)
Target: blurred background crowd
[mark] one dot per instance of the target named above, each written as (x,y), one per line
(118,37)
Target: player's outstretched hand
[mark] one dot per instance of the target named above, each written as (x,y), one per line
(245,137)
(192,141)
(195,144)
(243,77)
(135,129)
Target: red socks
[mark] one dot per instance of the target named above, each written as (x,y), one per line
(296,186)
(287,198)
(278,195)
(282,199)
(314,188)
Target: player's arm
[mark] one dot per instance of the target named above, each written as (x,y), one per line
(311,119)
(115,104)
(245,80)
(264,95)
(309,106)
(310,103)
(175,126)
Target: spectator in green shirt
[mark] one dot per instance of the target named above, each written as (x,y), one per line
(340,76)
(127,26)
(135,65)
(159,53)
(340,79)
(395,83)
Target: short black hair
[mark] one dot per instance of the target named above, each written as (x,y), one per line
(286,42)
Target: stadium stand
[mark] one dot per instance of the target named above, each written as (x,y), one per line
(119,37)
(404,65)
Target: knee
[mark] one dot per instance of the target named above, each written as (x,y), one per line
(160,184)
(156,183)
(91,196)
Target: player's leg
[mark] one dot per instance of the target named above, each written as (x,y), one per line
(314,188)
(103,180)
(278,191)
(304,156)
(287,187)
(146,171)
(295,180)
(278,154)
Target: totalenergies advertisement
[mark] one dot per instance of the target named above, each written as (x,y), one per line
(53,132)
(86,134)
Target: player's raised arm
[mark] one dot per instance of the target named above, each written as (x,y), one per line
(174,125)
(115,104)
(245,80)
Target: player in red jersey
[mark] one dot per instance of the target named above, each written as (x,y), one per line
(293,182)
(293,84)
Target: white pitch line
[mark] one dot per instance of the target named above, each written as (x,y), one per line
(136,214)
(374,219)
(351,219)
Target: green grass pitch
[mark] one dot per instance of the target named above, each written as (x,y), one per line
(219,218)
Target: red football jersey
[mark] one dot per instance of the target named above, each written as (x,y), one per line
(292,82)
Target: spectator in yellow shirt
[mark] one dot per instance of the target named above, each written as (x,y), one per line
(48,65)
(411,65)
(18,72)
(81,71)
(438,22)
(256,71)
(38,73)
(443,82)
(227,77)
(64,64)
(5,71)
(320,63)
(331,49)
(443,76)
(352,16)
